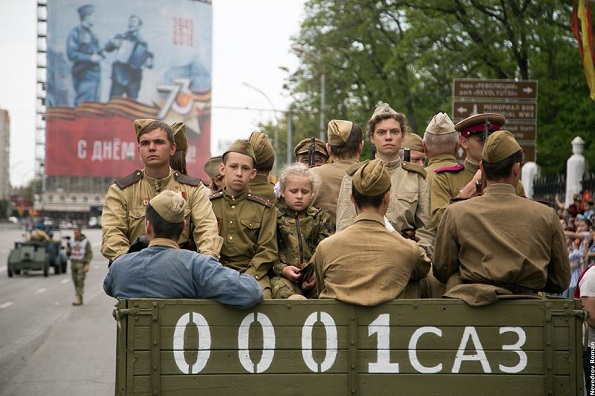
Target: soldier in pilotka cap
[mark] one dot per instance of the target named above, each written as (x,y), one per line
(211,168)
(345,145)
(123,217)
(247,222)
(304,150)
(265,160)
(414,144)
(441,141)
(409,208)
(178,159)
(498,244)
(393,264)
(464,180)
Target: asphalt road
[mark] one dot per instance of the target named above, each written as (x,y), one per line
(48,346)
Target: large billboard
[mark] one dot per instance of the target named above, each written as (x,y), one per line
(110,62)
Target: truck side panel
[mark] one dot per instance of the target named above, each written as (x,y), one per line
(433,346)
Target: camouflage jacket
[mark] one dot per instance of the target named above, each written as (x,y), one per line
(298,235)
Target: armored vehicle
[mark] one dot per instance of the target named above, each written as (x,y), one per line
(325,347)
(36,255)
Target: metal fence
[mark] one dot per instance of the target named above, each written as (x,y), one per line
(548,186)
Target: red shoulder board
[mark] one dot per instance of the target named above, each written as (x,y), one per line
(454,168)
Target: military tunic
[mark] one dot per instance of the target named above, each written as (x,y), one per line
(437,162)
(262,187)
(248,226)
(366,264)
(298,235)
(331,176)
(409,207)
(447,184)
(501,243)
(123,218)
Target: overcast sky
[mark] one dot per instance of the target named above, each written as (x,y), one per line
(250,45)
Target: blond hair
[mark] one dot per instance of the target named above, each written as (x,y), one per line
(297,169)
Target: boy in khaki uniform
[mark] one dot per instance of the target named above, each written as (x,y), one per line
(247,222)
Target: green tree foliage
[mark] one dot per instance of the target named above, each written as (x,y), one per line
(407,53)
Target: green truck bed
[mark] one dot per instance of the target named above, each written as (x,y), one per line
(324,347)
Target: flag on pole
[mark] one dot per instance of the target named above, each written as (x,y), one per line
(584,37)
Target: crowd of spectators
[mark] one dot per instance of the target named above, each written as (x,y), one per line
(577,221)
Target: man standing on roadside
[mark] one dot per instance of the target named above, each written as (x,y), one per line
(80,261)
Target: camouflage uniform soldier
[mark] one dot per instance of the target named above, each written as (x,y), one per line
(246,221)
(300,228)
(80,259)
(265,159)
(409,208)
(123,217)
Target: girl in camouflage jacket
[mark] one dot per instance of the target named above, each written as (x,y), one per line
(300,228)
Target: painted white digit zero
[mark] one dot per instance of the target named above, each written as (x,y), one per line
(204,343)
(381,326)
(268,341)
(413,350)
(331,342)
(515,348)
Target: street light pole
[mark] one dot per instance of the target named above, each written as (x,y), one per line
(276,137)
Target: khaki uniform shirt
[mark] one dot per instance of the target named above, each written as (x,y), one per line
(248,225)
(500,244)
(331,176)
(447,184)
(437,162)
(262,187)
(123,217)
(409,207)
(366,264)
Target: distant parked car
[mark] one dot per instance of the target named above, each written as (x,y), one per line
(13,220)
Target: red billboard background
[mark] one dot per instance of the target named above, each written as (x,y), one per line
(99,140)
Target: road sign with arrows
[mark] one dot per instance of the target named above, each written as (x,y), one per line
(516,100)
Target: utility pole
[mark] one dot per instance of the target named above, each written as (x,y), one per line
(276,137)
